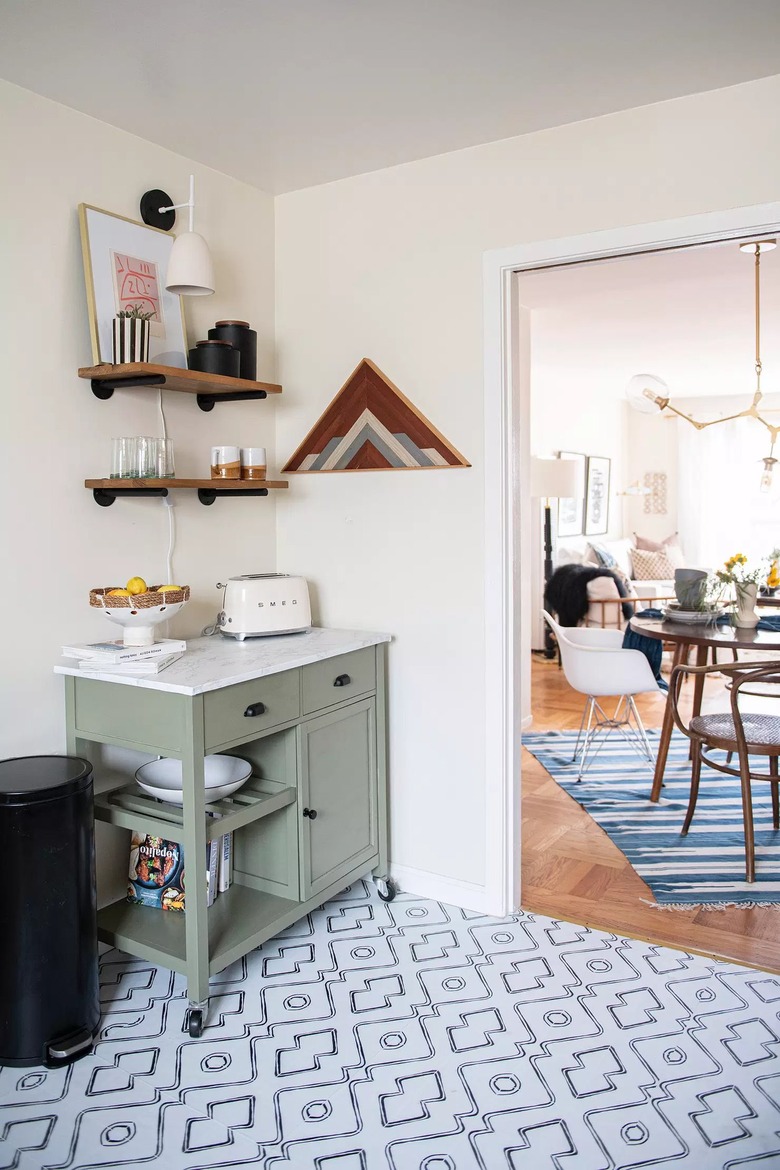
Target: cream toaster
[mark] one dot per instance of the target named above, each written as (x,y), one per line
(258,604)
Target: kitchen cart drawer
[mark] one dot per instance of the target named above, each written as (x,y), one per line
(245,710)
(335,679)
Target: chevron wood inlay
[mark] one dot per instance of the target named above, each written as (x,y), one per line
(371,426)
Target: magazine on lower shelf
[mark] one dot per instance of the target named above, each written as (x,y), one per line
(156,874)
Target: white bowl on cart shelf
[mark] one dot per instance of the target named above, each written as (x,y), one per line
(224,775)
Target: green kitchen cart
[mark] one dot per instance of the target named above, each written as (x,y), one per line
(309,712)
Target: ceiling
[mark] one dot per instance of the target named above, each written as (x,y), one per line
(290,93)
(686,316)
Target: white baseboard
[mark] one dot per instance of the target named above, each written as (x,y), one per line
(432,885)
(526,722)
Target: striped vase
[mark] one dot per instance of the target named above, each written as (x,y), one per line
(130,340)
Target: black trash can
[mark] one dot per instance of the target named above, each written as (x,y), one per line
(49,1004)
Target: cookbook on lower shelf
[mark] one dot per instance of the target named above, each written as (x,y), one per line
(156,874)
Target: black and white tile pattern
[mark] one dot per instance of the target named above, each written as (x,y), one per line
(415,1036)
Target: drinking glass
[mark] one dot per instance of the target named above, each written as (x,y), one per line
(147,457)
(124,464)
(165,469)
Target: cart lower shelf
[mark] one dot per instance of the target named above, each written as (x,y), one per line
(239,920)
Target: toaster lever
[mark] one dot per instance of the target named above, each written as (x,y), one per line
(343,680)
(254,709)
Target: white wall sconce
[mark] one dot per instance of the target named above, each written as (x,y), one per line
(190,268)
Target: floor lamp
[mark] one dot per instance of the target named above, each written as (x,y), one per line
(553,479)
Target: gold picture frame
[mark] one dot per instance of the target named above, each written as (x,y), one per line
(124,264)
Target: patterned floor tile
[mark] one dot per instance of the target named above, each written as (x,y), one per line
(417,1036)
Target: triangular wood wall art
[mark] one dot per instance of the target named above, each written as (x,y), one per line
(371,426)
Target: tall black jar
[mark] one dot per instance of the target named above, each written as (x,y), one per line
(238,334)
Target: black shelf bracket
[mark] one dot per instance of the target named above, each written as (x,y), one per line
(103,388)
(106,496)
(208,401)
(207,496)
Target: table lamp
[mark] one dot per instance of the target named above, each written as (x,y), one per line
(553,479)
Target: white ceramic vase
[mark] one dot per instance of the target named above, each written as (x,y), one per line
(746,617)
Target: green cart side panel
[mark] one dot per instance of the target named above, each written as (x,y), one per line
(132,715)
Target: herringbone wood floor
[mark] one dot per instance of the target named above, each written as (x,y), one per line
(571,869)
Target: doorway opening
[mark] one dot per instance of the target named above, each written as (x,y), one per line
(512,548)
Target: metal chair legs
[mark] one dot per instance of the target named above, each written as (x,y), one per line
(596,727)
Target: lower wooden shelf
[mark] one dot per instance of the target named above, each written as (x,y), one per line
(240,919)
(105,491)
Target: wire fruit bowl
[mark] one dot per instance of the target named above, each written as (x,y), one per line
(139,614)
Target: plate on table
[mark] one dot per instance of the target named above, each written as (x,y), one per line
(698,617)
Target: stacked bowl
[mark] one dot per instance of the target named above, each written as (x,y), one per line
(224,775)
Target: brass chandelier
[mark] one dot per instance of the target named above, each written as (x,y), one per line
(646,393)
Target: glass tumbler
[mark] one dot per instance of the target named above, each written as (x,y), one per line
(164,452)
(147,457)
(124,463)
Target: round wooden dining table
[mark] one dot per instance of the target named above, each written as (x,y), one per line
(707,639)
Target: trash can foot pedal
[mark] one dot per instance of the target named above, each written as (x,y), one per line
(68,1048)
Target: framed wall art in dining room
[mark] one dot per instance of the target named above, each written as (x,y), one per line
(597,496)
(125,263)
(571,510)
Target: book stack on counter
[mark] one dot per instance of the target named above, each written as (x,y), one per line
(116,658)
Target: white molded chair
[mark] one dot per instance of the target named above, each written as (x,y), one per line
(595,664)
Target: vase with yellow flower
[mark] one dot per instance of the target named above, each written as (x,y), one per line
(773,576)
(745,580)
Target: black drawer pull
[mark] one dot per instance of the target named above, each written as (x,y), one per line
(255,709)
(343,680)
(311,813)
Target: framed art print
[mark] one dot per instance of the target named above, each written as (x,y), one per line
(571,510)
(124,265)
(597,496)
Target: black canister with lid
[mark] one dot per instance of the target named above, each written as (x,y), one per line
(215,357)
(244,339)
(49,1004)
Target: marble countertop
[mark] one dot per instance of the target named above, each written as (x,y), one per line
(211,663)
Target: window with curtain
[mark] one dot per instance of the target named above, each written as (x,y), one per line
(721,510)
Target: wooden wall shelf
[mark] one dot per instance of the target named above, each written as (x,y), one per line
(209,388)
(105,491)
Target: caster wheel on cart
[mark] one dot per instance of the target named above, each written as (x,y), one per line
(195,1023)
(386,888)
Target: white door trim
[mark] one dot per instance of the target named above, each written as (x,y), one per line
(506,512)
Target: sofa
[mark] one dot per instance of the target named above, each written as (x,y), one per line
(625,556)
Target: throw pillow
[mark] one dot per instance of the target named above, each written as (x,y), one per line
(603,556)
(652,566)
(670,545)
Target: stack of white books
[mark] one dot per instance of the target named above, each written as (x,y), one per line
(116,658)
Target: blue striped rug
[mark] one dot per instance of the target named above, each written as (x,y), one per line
(705,868)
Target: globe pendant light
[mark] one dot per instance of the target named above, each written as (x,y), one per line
(646,393)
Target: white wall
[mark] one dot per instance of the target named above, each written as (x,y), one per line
(388,265)
(56,542)
(652,447)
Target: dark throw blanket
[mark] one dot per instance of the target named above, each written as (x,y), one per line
(566,593)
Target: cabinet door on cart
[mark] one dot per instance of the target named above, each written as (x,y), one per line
(337,797)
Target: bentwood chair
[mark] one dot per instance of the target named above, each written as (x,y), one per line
(595,664)
(738,732)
